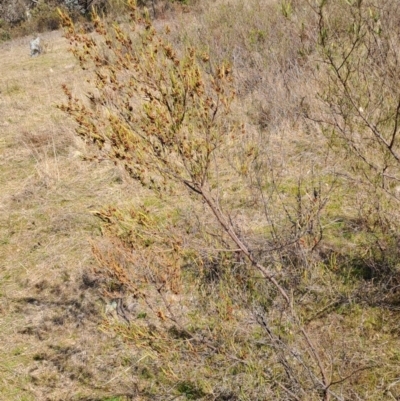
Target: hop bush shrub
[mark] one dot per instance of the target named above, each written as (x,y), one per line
(218,252)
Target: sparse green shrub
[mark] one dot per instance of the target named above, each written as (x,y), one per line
(357,45)
(4,35)
(4,30)
(45,18)
(360,113)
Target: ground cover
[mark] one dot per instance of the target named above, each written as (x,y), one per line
(148,298)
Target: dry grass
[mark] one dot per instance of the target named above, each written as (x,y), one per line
(62,340)
(51,346)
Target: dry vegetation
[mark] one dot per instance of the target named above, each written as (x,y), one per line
(245,244)
(51,347)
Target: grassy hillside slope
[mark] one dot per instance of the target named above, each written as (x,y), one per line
(50,347)
(154,300)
